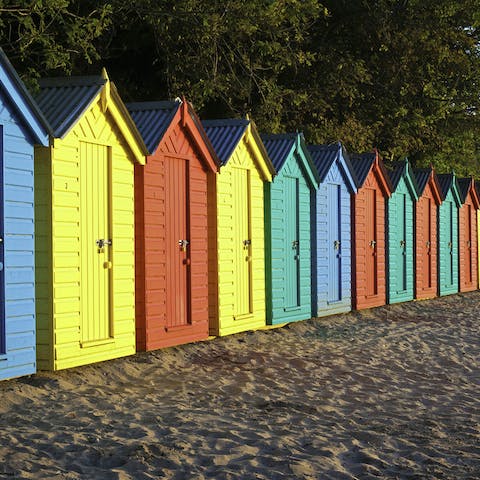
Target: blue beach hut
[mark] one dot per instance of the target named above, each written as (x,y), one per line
(332,220)
(21,127)
(289,199)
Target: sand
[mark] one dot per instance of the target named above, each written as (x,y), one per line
(388,393)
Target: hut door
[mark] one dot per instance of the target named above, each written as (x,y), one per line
(402,233)
(292,247)
(96,241)
(177,248)
(334,244)
(241,211)
(468,246)
(371,241)
(449,260)
(427,248)
(2,253)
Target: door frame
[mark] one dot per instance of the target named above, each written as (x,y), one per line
(3,333)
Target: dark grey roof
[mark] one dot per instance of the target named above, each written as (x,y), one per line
(422,176)
(224,135)
(396,172)
(63,100)
(463,187)
(152,120)
(278,147)
(323,157)
(362,164)
(445,181)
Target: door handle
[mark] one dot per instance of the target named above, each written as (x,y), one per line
(373,243)
(336,244)
(183,244)
(295,244)
(102,242)
(246,244)
(427,243)
(402,243)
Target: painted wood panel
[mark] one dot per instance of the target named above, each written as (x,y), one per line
(237,269)
(86,182)
(448,246)
(333,244)
(468,244)
(369,276)
(401,273)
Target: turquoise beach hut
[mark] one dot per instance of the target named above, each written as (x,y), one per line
(21,127)
(448,273)
(288,206)
(332,224)
(400,233)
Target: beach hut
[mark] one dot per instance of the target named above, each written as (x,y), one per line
(84,187)
(448,279)
(400,233)
(171,231)
(477,188)
(288,207)
(332,230)
(21,127)
(467,225)
(368,226)
(426,245)
(237,239)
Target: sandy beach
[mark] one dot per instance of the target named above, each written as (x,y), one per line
(387,393)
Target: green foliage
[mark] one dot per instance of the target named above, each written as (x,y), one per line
(42,36)
(399,75)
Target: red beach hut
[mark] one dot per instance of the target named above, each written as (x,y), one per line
(368,230)
(171,230)
(426,248)
(467,226)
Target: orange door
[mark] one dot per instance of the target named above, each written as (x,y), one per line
(177,246)
(425,216)
(371,241)
(468,241)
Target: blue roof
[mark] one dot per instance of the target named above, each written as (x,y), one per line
(324,156)
(446,181)
(362,164)
(464,187)
(279,147)
(421,176)
(152,120)
(224,135)
(63,100)
(21,100)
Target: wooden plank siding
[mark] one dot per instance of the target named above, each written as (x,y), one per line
(171,202)
(369,276)
(63,295)
(227,252)
(426,244)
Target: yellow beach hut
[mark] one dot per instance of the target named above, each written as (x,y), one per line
(237,238)
(84,224)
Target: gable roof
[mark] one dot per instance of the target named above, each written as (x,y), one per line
(324,156)
(153,119)
(363,163)
(280,147)
(466,185)
(64,100)
(425,175)
(225,135)
(22,102)
(447,182)
(402,169)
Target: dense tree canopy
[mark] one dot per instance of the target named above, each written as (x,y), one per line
(401,75)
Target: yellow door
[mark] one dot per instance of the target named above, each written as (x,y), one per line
(242,242)
(96,242)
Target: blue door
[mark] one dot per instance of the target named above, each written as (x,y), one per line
(402,235)
(2,253)
(450,240)
(334,244)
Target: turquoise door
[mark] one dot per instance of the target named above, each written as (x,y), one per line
(449,280)
(334,244)
(292,246)
(402,235)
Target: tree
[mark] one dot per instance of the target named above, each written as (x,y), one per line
(45,36)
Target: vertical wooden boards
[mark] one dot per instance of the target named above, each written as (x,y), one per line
(177,244)
(2,252)
(371,242)
(95,197)
(334,243)
(468,242)
(448,246)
